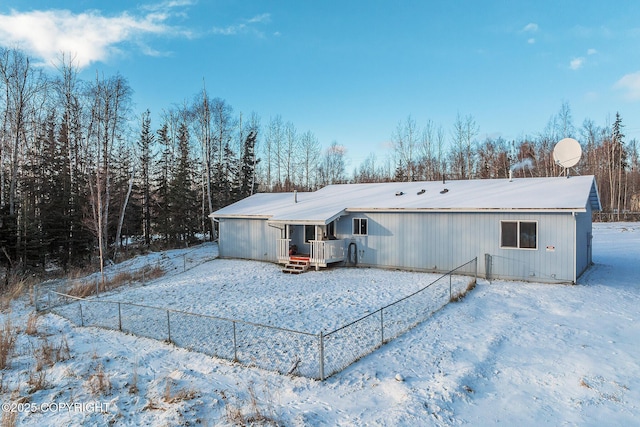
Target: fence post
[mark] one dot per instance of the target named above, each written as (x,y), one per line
(235,346)
(184,262)
(321,356)
(35,296)
(81,317)
(381,328)
(475,273)
(488,266)
(49,298)
(450,293)
(168,326)
(119,318)
(97,287)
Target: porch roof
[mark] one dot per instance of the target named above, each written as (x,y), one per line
(555,194)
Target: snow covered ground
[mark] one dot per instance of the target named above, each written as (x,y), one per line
(509,353)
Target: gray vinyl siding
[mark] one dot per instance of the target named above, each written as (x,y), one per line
(583,241)
(247,239)
(442,241)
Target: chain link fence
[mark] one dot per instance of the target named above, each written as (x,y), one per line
(351,342)
(49,294)
(285,351)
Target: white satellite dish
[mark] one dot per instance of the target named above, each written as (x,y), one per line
(567,152)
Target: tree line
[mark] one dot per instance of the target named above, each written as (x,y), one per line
(82,175)
(427,154)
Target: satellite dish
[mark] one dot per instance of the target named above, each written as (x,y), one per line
(567,152)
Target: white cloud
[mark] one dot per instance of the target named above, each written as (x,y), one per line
(244,27)
(576,63)
(265,17)
(591,51)
(87,36)
(630,83)
(531,40)
(530,28)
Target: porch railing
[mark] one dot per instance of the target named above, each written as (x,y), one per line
(283,250)
(326,251)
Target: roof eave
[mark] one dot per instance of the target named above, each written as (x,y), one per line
(469,210)
(238,216)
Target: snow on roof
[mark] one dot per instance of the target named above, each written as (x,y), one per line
(323,206)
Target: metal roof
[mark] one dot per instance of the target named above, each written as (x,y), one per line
(555,194)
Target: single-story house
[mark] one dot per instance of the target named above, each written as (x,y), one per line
(536,229)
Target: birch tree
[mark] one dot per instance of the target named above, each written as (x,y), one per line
(309,158)
(110,102)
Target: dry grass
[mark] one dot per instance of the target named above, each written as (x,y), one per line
(37,381)
(16,286)
(32,324)
(171,396)
(48,354)
(86,289)
(99,383)
(7,343)
(133,387)
(250,411)
(9,419)
(459,296)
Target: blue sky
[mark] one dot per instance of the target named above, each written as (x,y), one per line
(350,71)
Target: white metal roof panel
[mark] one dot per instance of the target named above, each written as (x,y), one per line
(326,204)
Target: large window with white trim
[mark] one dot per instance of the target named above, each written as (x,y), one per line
(519,234)
(360,226)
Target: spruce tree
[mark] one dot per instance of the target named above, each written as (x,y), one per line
(183,199)
(247,185)
(145,145)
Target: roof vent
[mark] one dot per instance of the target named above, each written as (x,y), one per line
(446,190)
(399,193)
(422,191)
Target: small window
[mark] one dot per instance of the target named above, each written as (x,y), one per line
(519,234)
(331,230)
(309,233)
(360,226)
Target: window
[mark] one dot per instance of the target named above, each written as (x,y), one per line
(331,230)
(360,226)
(309,233)
(519,234)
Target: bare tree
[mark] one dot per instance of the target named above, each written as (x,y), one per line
(110,102)
(275,138)
(310,155)
(405,140)
(334,165)
(462,152)
(202,114)
(289,153)
(22,85)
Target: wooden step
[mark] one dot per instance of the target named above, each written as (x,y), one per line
(296,266)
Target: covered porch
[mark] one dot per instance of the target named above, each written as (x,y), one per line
(314,243)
